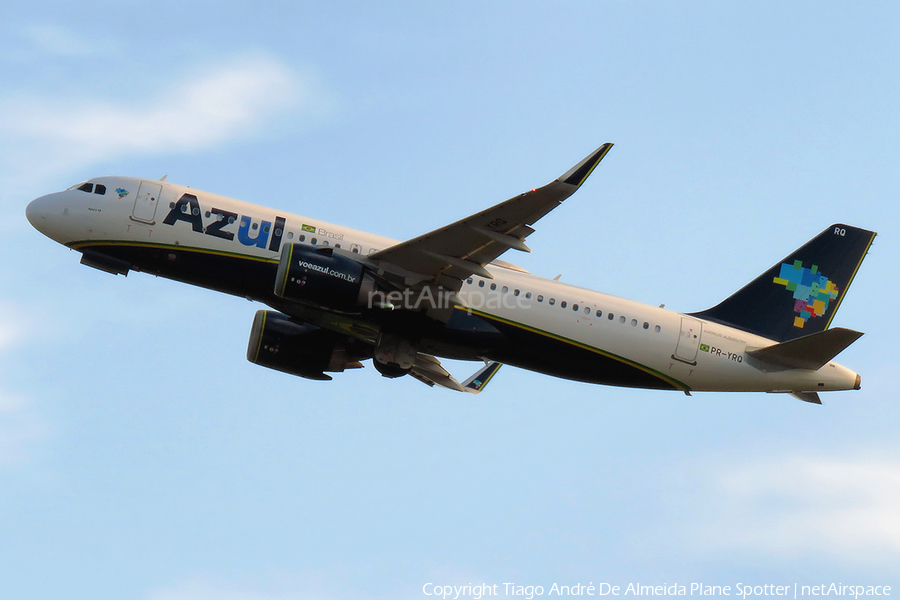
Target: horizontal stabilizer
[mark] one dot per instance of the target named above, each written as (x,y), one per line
(808,352)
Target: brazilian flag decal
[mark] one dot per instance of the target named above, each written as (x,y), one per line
(309,228)
(704,347)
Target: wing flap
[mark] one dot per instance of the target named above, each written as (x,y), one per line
(811,397)
(429,371)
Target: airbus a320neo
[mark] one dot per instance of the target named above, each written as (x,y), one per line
(339,296)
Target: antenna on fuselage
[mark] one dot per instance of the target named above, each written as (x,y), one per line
(163,178)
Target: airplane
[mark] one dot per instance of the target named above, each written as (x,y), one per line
(338,296)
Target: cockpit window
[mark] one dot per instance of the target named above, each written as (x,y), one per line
(100,189)
(86,187)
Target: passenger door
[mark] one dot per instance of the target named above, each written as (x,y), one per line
(688,340)
(146,201)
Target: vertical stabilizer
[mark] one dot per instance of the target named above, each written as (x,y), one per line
(799,295)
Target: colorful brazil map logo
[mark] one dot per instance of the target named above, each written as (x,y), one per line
(812,290)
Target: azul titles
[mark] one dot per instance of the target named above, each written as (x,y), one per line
(249,233)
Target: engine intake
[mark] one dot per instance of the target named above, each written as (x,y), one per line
(320,276)
(278,342)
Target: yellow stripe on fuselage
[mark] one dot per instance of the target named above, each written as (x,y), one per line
(673,382)
(91,243)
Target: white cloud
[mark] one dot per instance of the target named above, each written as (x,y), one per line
(59,41)
(197,589)
(19,426)
(201,592)
(305,585)
(214,105)
(842,507)
(8,331)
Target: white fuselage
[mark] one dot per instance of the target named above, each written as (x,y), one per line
(688,353)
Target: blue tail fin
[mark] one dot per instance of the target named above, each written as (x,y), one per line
(801,294)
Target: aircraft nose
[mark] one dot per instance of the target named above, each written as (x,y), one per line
(36,212)
(40,213)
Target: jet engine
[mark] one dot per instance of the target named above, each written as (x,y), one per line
(278,342)
(321,276)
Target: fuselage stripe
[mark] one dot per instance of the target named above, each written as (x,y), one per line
(89,243)
(673,382)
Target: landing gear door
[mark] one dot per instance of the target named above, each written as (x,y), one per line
(146,202)
(688,341)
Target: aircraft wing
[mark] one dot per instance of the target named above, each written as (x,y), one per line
(452,253)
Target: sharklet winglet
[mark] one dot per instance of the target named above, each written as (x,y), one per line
(580,172)
(479,380)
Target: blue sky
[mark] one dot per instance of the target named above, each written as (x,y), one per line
(141,455)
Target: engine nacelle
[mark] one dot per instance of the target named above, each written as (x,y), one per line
(280,343)
(320,276)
